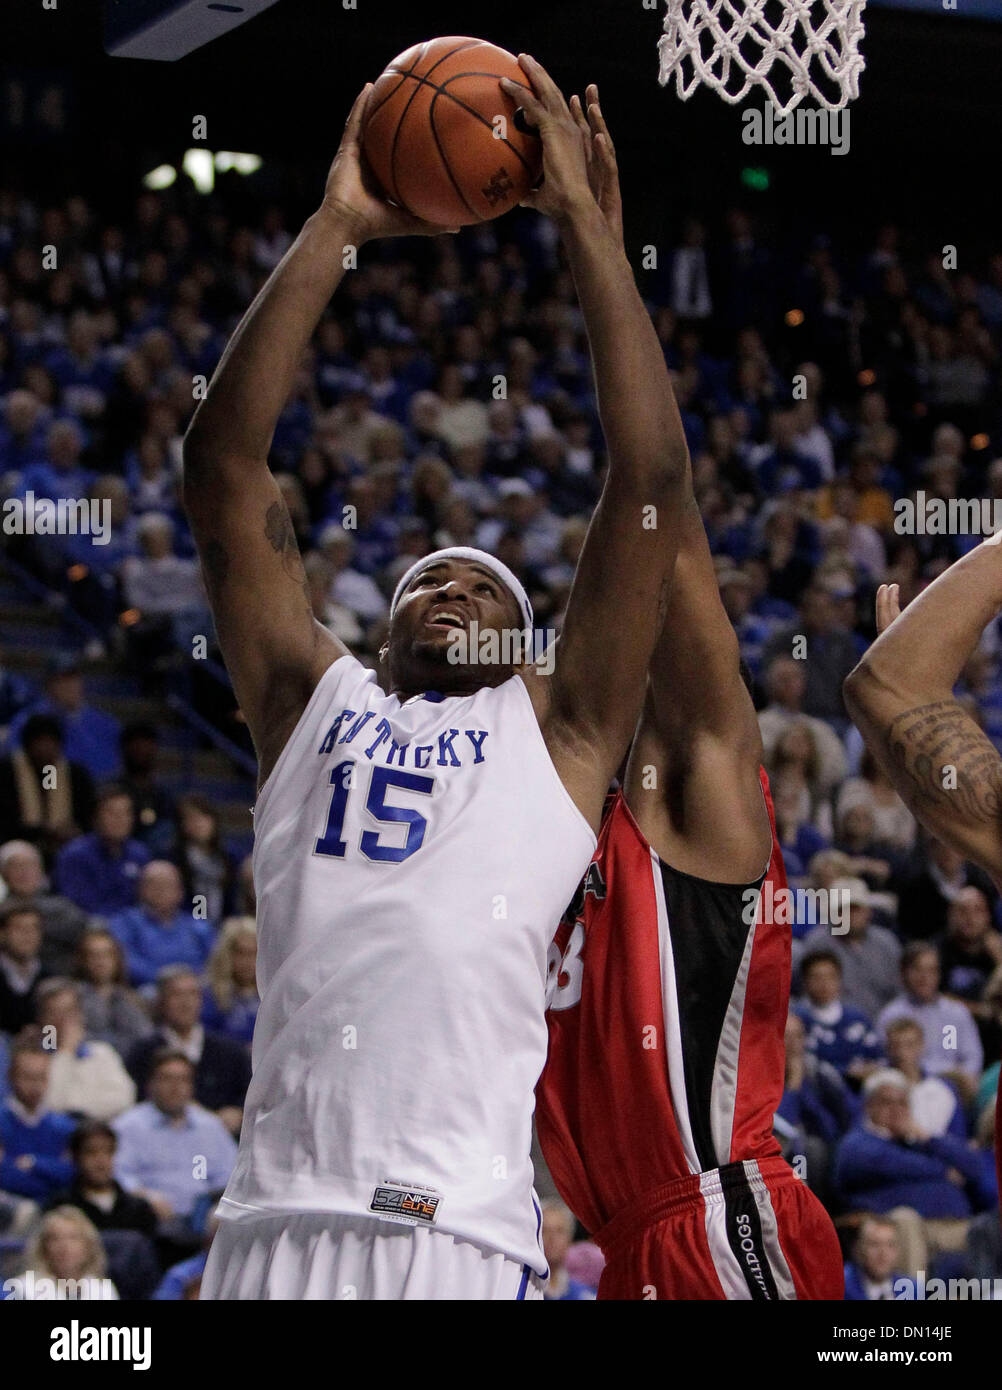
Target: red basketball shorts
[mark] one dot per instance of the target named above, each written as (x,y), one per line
(748,1231)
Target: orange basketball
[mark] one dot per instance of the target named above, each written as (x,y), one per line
(442,137)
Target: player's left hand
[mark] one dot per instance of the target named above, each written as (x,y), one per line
(888,606)
(352,196)
(565,189)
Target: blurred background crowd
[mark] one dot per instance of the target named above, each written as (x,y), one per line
(447,399)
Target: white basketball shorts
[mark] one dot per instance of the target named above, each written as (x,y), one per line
(326,1255)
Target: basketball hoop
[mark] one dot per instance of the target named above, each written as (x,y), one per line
(806,48)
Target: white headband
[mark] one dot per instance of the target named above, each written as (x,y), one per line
(479,557)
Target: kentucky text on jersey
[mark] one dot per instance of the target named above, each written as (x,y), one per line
(453,747)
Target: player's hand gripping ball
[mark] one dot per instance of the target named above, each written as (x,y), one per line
(443,139)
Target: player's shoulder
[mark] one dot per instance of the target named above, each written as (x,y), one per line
(347,667)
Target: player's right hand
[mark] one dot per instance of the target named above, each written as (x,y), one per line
(353,198)
(566,189)
(600,152)
(888,605)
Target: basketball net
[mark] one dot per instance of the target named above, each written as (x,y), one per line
(809,47)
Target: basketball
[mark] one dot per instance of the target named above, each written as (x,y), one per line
(443,139)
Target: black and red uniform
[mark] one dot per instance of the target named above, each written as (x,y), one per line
(667,1006)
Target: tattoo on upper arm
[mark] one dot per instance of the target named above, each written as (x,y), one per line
(927,741)
(281,536)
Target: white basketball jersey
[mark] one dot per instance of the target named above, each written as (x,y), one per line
(411,860)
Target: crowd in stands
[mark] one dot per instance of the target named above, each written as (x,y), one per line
(447,399)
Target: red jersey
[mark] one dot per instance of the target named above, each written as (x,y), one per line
(667,1004)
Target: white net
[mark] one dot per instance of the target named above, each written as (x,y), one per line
(792,48)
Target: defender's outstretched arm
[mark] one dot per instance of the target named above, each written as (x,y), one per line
(901,698)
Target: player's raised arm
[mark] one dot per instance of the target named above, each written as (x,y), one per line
(274,649)
(594,696)
(901,698)
(704,812)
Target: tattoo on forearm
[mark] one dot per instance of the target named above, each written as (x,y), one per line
(928,741)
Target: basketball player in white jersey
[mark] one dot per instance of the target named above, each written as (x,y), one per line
(417,832)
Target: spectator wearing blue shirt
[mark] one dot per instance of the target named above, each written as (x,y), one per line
(829,653)
(558,1235)
(871,1273)
(799,839)
(100,872)
(783,467)
(60,475)
(814,1111)
(156,932)
(160,1138)
(837,1033)
(931,1186)
(753,632)
(375,535)
(90,736)
(83,373)
(34,1141)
